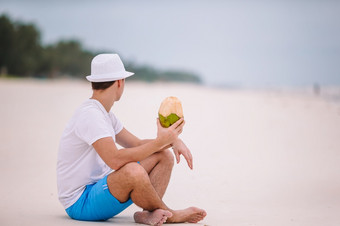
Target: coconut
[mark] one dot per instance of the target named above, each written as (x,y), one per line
(170,111)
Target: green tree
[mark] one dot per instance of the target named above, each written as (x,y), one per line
(6,43)
(66,58)
(20,49)
(26,50)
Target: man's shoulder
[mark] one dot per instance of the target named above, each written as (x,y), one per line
(84,114)
(89,107)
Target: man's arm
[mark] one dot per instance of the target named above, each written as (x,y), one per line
(115,158)
(127,139)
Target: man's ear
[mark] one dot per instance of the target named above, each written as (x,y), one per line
(119,83)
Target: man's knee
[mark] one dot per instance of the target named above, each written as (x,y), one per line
(134,171)
(167,156)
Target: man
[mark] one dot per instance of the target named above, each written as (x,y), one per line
(96,180)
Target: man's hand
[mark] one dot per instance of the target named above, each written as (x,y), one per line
(169,135)
(181,149)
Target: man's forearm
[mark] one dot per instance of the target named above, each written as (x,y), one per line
(145,148)
(141,142)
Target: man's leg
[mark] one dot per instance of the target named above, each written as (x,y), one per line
(159,167)
(132,180)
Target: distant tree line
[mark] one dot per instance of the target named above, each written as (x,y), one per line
(23,55)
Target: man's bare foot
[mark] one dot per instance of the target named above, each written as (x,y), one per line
(156,218)
(191,215)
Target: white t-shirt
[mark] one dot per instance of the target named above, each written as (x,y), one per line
(78,162)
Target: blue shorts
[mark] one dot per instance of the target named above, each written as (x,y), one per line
(96,203)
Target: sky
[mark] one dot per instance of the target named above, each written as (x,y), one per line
(228,43)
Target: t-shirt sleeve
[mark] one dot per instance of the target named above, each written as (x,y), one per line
(92,126)
(117,125)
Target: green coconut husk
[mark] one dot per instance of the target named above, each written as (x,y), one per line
(168,121)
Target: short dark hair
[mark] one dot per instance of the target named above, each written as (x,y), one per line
(101,85)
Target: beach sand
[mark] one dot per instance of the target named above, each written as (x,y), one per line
(261,157)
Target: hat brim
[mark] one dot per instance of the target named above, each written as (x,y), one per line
(108,77)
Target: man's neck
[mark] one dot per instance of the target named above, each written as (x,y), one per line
(104,100)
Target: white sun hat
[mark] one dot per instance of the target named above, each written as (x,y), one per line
(107,68)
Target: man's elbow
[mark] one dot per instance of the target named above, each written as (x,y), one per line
(119,159)
(115,165)
(119,163)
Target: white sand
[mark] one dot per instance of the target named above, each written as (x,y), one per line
(261,157)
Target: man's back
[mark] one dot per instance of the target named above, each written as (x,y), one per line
(78,162)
